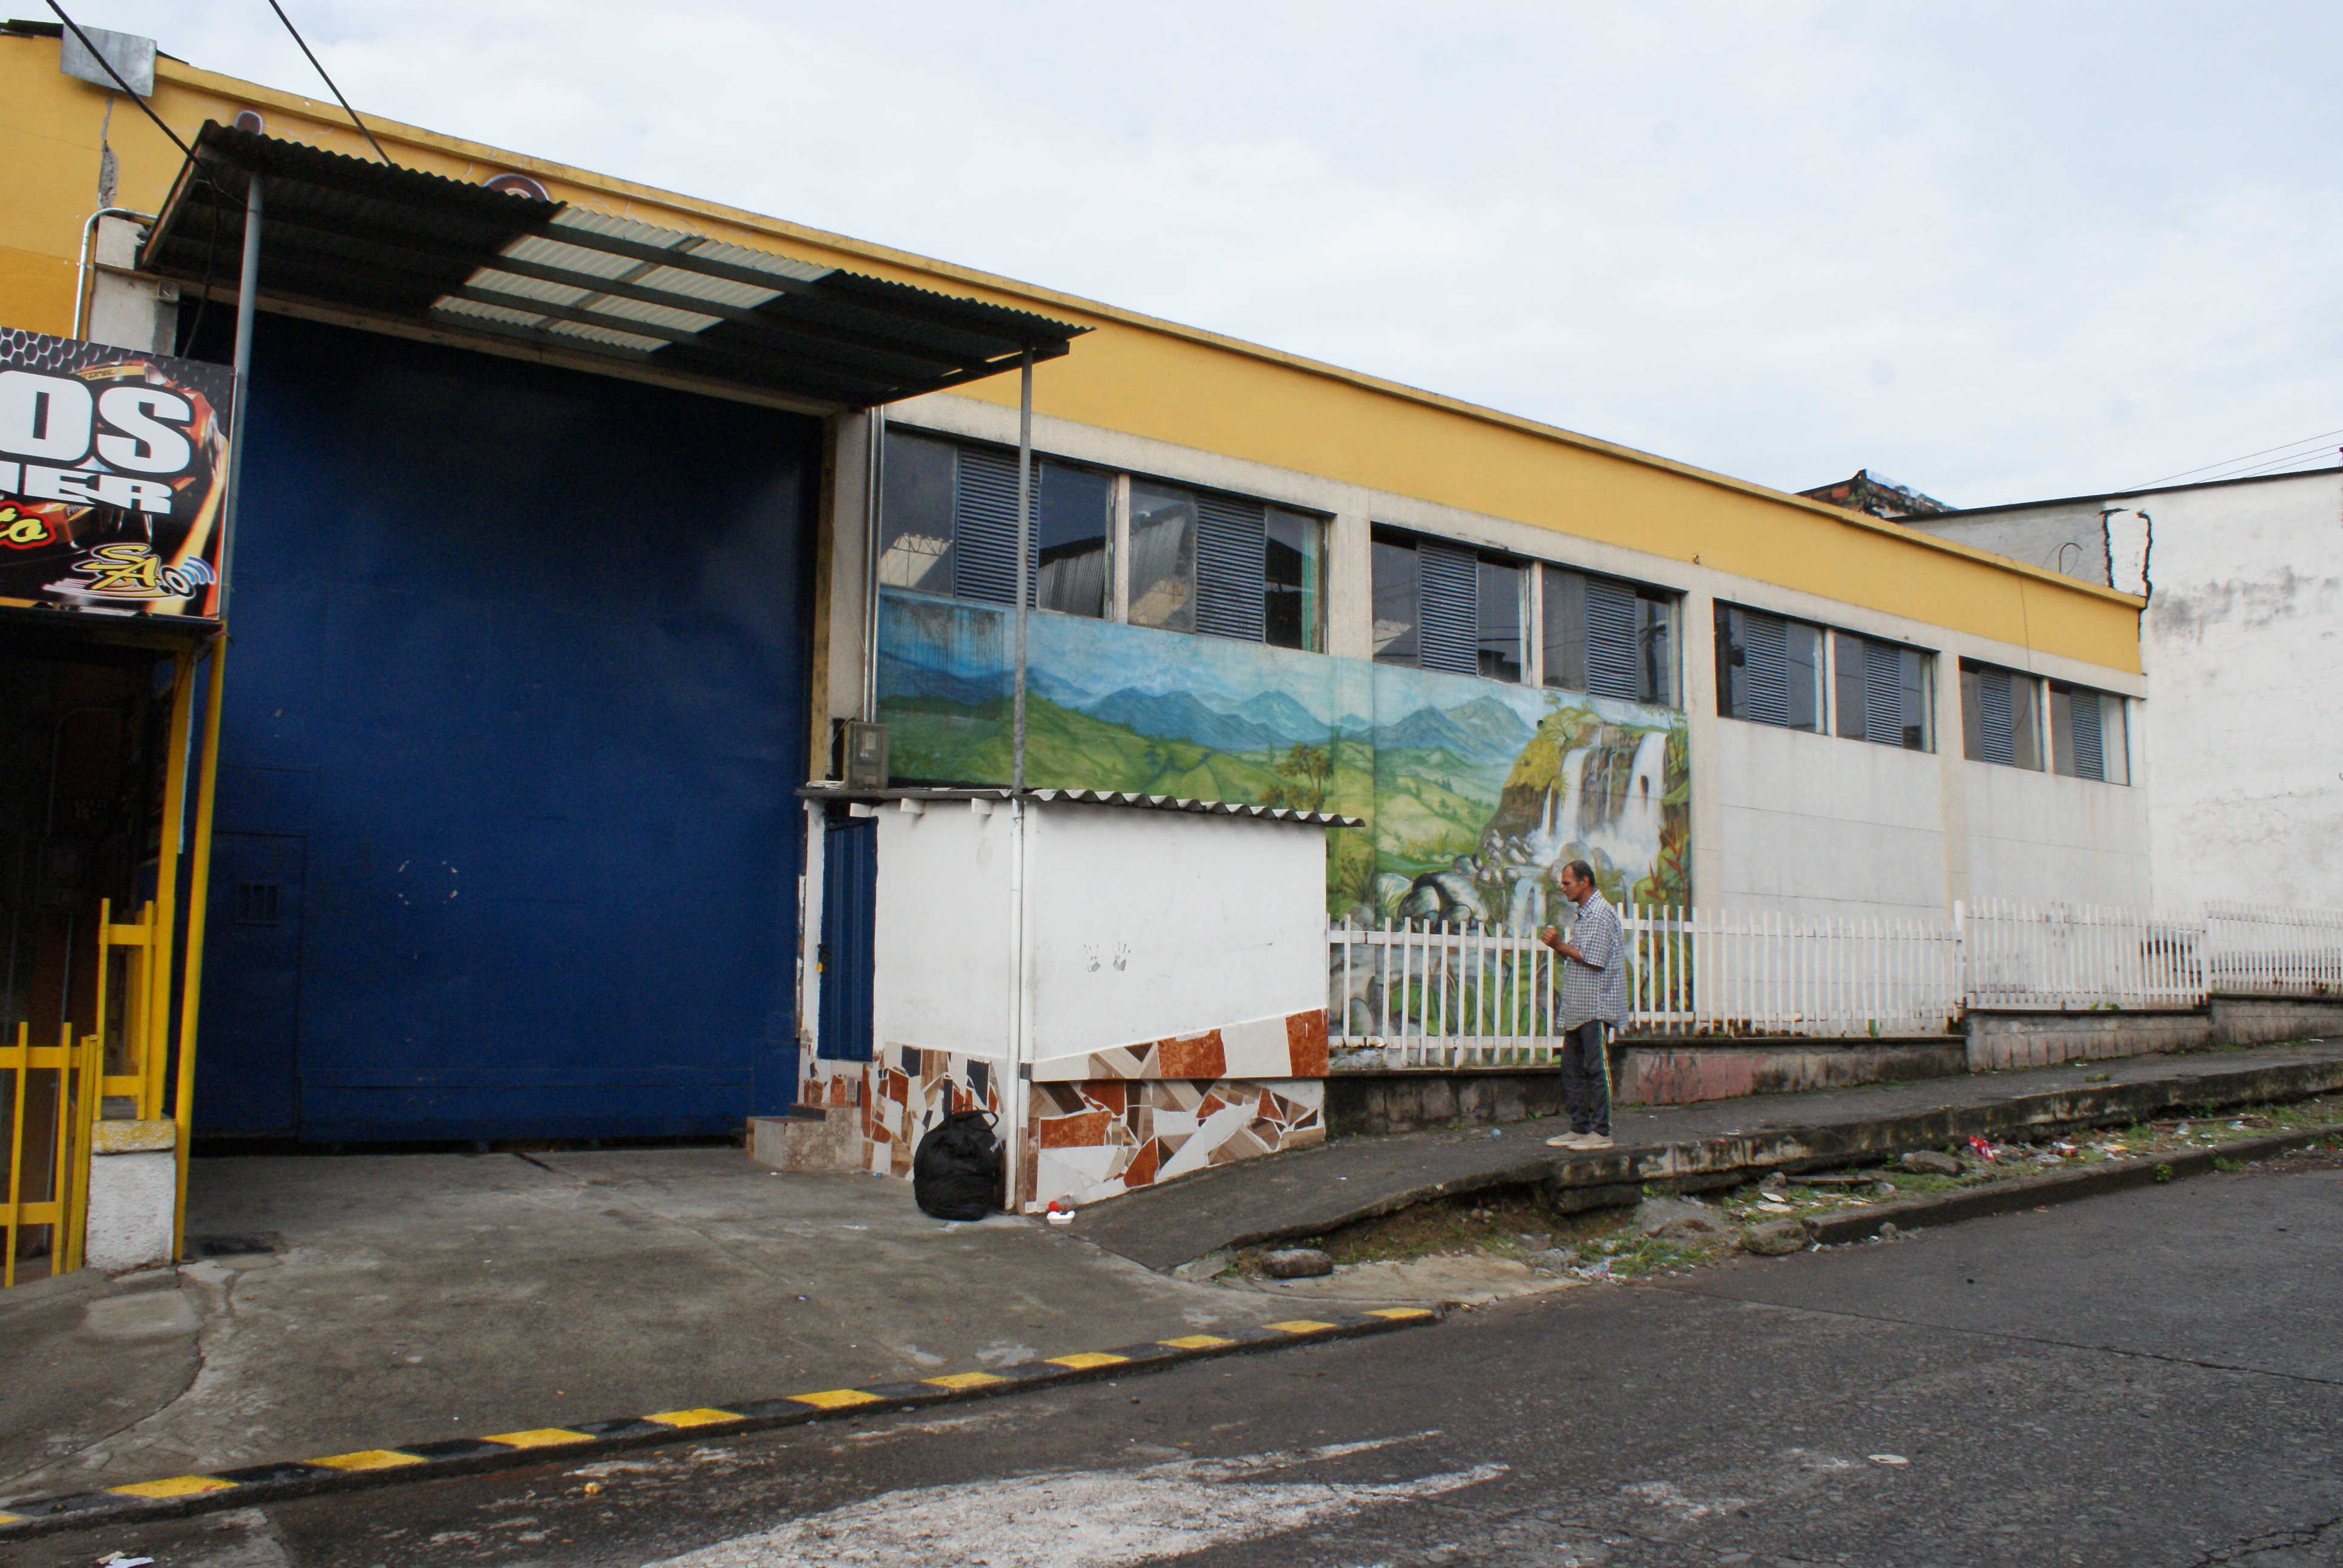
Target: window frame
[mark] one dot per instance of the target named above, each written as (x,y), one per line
(1652,607)
(1120,597)
(2028,736)
(2063,695)
(1836,678)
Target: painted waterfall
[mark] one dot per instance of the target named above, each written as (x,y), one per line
(1475,792)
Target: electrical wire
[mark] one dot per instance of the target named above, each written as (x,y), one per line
(127,89)
(353,114)
(2232,462)
(2314,460)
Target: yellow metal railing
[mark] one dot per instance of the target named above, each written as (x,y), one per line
(50,1143)
(56,1093)
(141,1045)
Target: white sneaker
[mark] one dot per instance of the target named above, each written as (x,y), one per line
(1565,1141)
(1591,1140)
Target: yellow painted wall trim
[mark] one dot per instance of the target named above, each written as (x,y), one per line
(1142,375)
(479,157)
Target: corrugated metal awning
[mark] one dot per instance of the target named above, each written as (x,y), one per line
(372,241)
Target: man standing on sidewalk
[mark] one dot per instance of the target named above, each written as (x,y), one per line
(1593,997)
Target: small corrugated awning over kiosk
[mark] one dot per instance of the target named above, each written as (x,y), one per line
(364,241)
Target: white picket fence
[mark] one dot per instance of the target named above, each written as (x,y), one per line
(2068,956)
(2256,950)
(1430,994)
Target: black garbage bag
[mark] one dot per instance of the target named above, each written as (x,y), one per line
(956,1170)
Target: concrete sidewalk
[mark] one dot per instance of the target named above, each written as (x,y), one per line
(425,1295)
(1310,1192)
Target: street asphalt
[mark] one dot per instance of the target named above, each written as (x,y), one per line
(2147,1379)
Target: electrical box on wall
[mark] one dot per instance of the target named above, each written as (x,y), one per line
(866,755)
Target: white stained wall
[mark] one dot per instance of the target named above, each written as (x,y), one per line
(1140,924)
(2243,646)
(1150,924)
(942,950)
(1814,825)
(2235,752)
(2045,838)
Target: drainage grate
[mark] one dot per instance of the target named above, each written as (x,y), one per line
(235,1246)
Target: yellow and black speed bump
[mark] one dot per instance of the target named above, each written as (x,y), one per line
(179,1494)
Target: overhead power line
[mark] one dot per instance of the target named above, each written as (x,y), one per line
(353,114)
(2233,462)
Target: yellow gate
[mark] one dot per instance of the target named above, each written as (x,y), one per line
(123,1066)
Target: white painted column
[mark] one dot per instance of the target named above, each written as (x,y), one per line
(1952,774)
(1699,641)
(1350,587)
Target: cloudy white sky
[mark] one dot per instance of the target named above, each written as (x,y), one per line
(1996,251)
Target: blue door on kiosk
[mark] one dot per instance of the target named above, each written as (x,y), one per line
(848,945)
(535,642)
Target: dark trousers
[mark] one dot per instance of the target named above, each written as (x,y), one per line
(1586,1078)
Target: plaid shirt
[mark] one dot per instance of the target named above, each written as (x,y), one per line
(1596,987)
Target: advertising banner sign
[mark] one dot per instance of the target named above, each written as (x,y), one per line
(113,471)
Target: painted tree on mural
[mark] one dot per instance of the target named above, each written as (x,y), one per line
(1307,771)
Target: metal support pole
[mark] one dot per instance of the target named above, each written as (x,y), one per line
(191,974)
(1024,559)
(248,287)
(874,498)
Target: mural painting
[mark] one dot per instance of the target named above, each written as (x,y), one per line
(1475,792)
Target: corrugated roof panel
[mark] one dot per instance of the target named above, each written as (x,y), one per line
(604,335)
(526,287)
(699,285)
(657,315)
(569,257)
(473,307)
(619,228)
(762,260)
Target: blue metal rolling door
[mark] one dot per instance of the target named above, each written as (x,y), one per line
(535,642)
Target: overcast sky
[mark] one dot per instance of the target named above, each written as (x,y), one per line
(1996,252)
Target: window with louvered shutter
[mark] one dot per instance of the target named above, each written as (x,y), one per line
(2085,724)
(1765,677)
(1229,542)
(1769,669)
(1450,608)
(1610,625)
(1882,693)
(2001,717)
(984,526)
(2081,745)
(1995,735)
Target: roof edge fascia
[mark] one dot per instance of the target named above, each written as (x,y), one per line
(198,78)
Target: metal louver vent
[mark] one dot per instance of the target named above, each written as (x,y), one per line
(1882,693)
(1764,667)
(984,526)
(1231,541)
(1611,667)
(1450,609)
(2091,761)
(1998,735)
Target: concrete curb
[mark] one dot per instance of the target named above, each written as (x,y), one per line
(2060,1187)
(178,1495)
(1702,1164)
